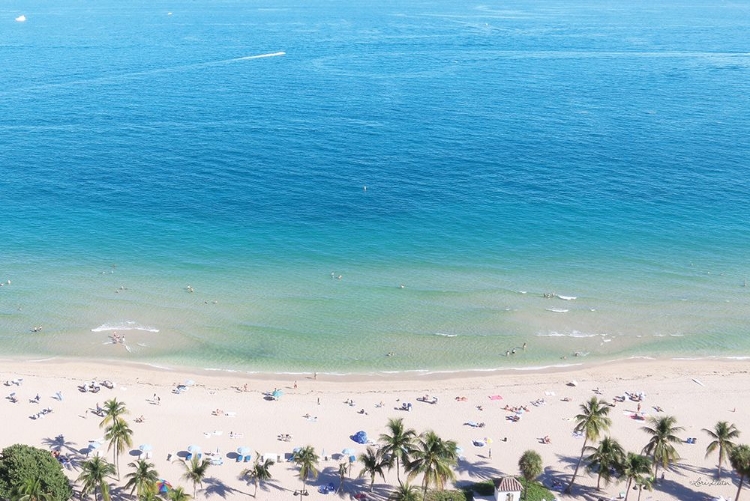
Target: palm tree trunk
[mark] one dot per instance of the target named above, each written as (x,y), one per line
(656,468)
(599,479)
(721,454)
(583,450)
(256,488)
(398,467)
(742,479)
(627,489)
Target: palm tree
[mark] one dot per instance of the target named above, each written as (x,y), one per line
(260,472)
(642,483)
(722,436)
(307,461)
(195,471)
(178,494)
(740,460)
(373,464)
(634,467)
(143,479)
(604,459)
(404,492)
(592,422)
(433,458)
(120,436)
(112,411)
(397,445)
(662,437)
(30,490)
(343,467)
(94,474)
(531,467)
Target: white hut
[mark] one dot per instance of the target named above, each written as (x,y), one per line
(507,489)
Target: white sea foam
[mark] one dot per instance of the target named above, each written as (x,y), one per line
(124,326)
(575,334)
(557,310)
(21,18)
(567,298)
(443,334)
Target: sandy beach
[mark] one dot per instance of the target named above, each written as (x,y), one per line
(220,411)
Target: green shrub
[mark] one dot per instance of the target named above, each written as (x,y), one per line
(536,492)
(20,464)
(447,496)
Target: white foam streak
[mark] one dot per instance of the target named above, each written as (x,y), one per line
(124,326)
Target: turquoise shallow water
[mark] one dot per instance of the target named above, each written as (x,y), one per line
(595,153)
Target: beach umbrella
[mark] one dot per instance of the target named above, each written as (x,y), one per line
(348,451)
(163,486)
(189,382)
(193,449)
(93,445)
(277,393)
(145,448)
(487,440)
(243,451)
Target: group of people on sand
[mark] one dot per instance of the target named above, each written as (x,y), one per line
(118,338)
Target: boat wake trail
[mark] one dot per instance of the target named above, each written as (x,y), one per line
(115,78)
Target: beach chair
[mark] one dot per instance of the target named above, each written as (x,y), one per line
(247,459)
(239,458)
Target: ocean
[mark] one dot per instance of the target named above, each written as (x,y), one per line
(295,186)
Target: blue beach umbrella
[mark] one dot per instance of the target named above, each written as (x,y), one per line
(146,448)
(243,451)
(194,449)
(348,451)
(277,393)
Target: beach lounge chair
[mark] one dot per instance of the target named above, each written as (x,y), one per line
(239,458)
(247,459)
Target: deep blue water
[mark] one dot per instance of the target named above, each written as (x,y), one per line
(596,151)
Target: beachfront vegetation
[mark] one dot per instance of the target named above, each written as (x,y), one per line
(29,471)
(178,494)
(404,492)
(343,469)
(94,476)
(142,480)
(591,422)
(534,491)
(605,460)
(397,443)
(373,464)
(644,483)
(112,411)
(722,435)
(634,468)
(433,458)
(531,466)
(260,472)
(195,471)
(30,490)
(307,460)
(739,458)
(120,436)
(662,431)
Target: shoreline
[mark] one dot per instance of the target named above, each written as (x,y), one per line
(597,367)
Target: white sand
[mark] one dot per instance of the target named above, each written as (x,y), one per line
(186,418)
